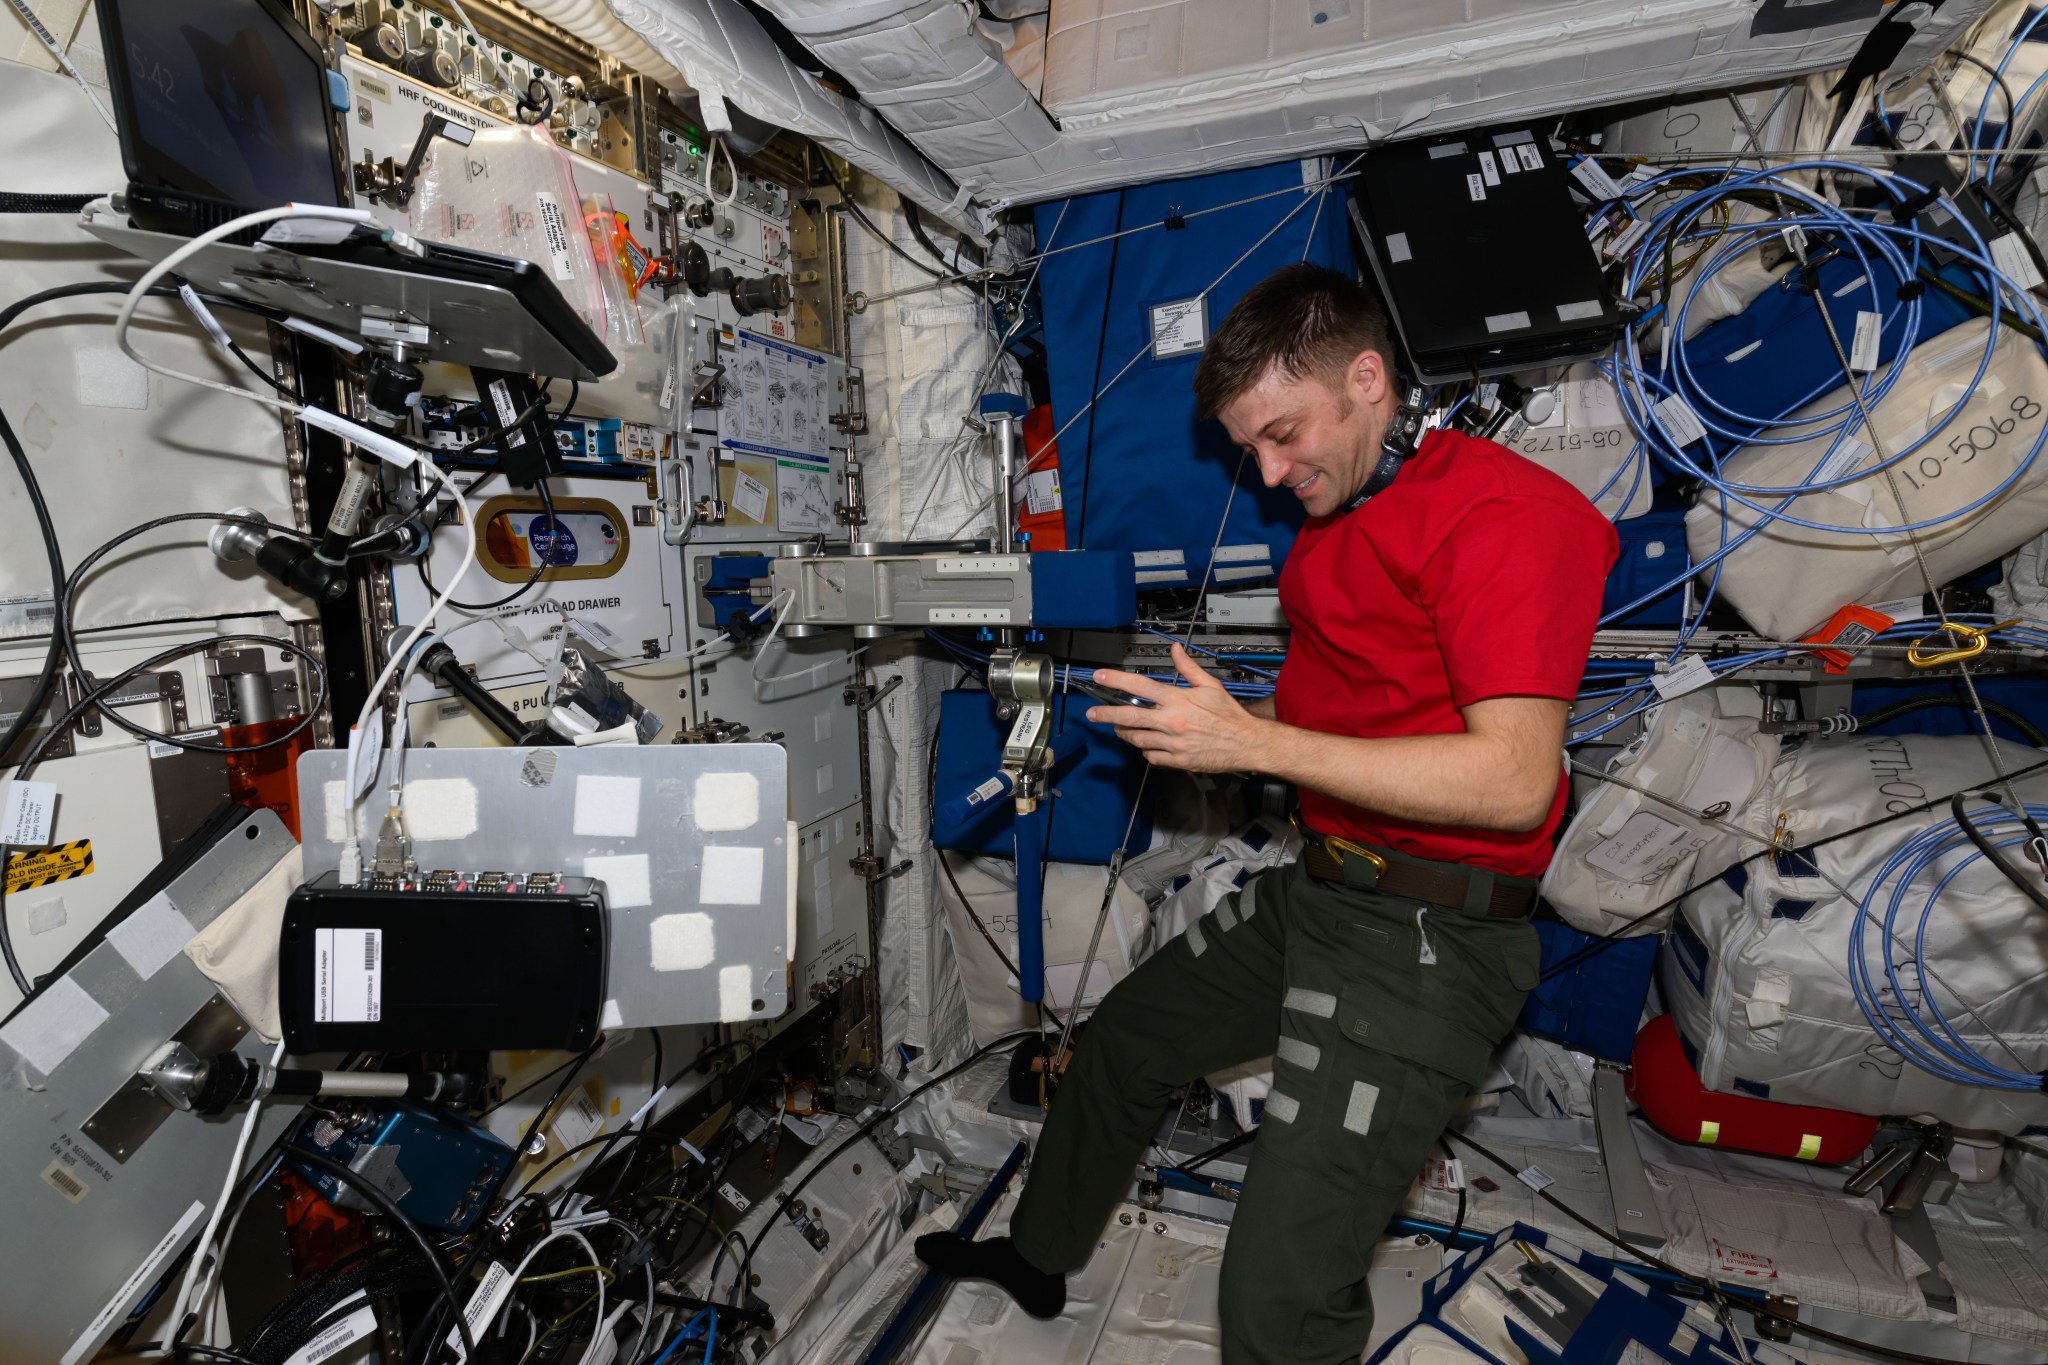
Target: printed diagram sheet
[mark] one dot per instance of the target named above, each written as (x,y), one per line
(781,409)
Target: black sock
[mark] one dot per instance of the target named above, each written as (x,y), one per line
(997,1260)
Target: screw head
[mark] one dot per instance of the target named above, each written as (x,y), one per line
(1124,1218)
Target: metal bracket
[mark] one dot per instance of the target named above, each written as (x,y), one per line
(168,687)
(868,698)
(1628,1185)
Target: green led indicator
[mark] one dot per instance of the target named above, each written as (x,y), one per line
(693,149)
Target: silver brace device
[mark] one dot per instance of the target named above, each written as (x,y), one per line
(1022,686)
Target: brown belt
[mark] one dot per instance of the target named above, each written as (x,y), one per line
(1438,885)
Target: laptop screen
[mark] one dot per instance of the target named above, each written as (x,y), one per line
(225,99)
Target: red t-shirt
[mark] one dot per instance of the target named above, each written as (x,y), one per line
(1475,574)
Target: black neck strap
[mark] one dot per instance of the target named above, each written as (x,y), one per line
(1404,434)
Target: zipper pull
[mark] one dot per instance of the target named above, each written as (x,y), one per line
(1427,956)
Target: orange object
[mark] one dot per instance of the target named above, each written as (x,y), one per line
(1850,626)
(317,1234)
(267,778)
(1047,526)
(1663,1083)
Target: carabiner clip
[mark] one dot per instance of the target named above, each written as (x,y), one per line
(1976,639)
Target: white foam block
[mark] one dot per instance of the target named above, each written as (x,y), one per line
(725,802)
(607,807)
(157,932)
(732,876)
(626,878)
(334,803)
(51,1026)
(437,808)
(682,943)
(735,994)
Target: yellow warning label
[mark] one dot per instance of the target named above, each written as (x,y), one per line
(1809,1146)
(57,863)
(1710,1131)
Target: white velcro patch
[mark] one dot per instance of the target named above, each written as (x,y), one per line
(1321,1004)
(1195,940)
(1358,1114)
(1282,1107)
(1225,920)
(1297,1053)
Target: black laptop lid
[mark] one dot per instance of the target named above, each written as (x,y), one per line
(225,100)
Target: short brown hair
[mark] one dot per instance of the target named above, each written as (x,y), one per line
(1303,318)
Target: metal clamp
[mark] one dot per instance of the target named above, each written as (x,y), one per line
(1022,685)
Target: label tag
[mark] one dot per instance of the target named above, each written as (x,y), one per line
(1531,158)
(556,230)
(1863,350)
(987,791)
(348,976)
(199,310)
(1536,1178)
(309,231)
(1848,453)
(491,1293)
(365,746)
(580,1120)
(1180,327)
(732,1196)
(337,1336)
(1905,609)
(1637,847)
(750,496)
(1475,185)
(602,637)
(501,399)
(1678,421)
(2009,254)
(27,812)
(1690,675)
(1488,169)
(1454,1172)
(58,863)
(1597,181)
(1625,241)
(1042,492)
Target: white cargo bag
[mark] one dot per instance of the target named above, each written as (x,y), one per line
(1073,898)
(1268,842)
(1624,852)
(1755,972)
(1787,580)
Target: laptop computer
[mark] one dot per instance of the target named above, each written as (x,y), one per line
(225,107)
(1481,255)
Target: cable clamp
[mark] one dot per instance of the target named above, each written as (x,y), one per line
(1971,641)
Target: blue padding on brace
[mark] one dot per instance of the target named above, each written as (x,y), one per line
(1094,774)
(1595,1006)
(1083,589)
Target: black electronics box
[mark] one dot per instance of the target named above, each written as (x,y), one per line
(1482,254)
(452,961)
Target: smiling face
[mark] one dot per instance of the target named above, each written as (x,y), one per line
(1317,437)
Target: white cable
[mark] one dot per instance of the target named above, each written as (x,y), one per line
(193,247)
(49,40)
(775,629)
(227,1192)
(477,1330)
(711,161)
(511,82)
(403,652)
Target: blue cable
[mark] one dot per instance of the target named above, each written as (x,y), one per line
(689,1330)
(1938,1048)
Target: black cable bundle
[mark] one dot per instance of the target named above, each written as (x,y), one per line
(330,1296)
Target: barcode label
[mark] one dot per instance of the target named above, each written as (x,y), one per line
(65,1183)
(339,1336)
(1678,421)
(348,976)
(554,228)
(491,1293)
(508,412)
(1863,349)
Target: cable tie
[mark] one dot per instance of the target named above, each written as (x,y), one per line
(1912,289)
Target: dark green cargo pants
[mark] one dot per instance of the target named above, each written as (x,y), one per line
(1381,1015)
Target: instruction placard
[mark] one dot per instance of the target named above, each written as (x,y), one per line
(1180,327)
(781,411)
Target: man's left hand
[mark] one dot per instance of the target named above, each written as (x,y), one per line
(1200,727)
